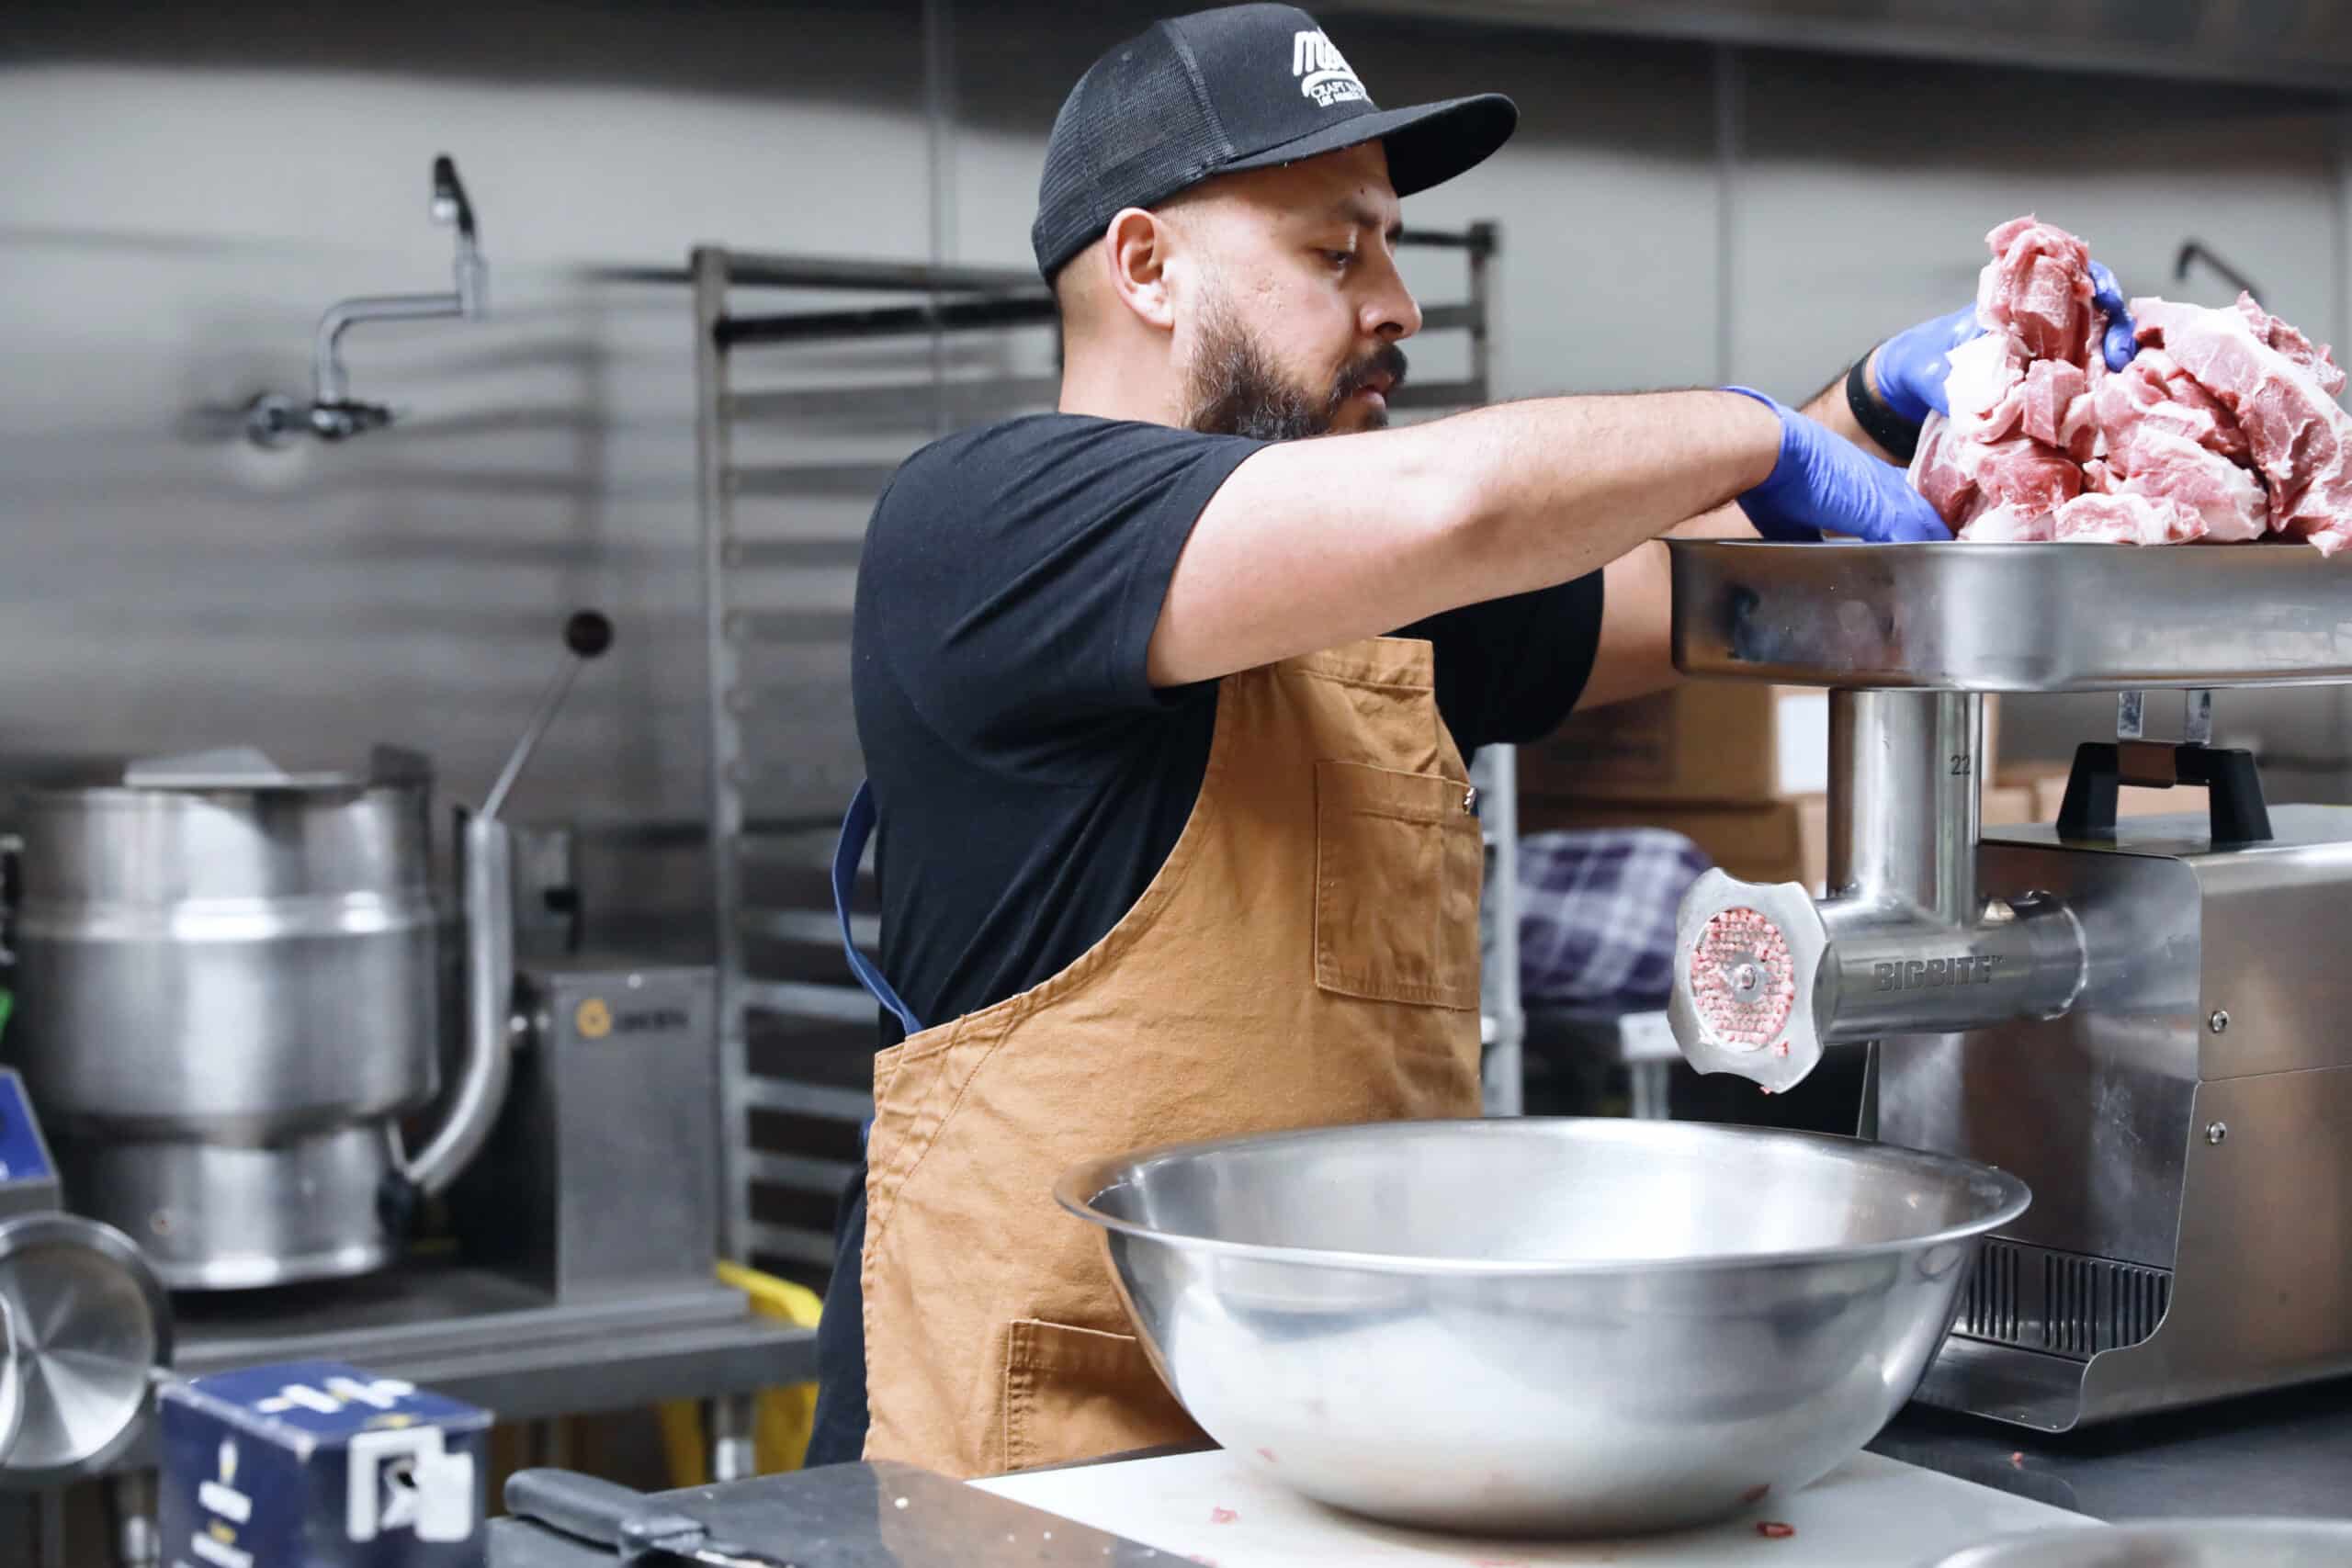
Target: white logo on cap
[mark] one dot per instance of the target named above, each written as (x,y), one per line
(1323,72)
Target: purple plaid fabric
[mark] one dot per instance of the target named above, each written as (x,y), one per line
(1595,923)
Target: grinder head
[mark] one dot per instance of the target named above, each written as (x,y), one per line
(1747,957)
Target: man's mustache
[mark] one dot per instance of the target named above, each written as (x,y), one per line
(1386,362)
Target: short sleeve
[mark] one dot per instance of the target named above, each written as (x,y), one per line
(1015,575)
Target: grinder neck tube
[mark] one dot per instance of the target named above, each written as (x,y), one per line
(1903,827)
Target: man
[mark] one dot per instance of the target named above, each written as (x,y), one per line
(1176,840)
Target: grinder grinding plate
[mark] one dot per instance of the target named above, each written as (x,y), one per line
(1746,976)
(1743,981)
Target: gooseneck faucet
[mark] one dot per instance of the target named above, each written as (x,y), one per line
(331,414)
(2194,251)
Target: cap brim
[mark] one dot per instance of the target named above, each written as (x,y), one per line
(1428,143)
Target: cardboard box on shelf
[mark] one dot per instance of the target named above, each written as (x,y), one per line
(1780,841)
(1703,742)
(1761,843)
(1716,742)
(1813,841)
(2004,806)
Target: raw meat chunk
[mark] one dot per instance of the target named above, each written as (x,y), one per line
(2126,520)
(2038,290)
(2224,429)
(2229,500)
(2300,440)
(1984,387)
(2293,344)
(2164,437)
(1937,473)
(2024,474)
(2008,526)
(2078,432)
(1962,480)
(2152,390)
(2051,388)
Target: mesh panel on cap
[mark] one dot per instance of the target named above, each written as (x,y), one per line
(1134,131)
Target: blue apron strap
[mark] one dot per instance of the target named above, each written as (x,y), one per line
(856,829)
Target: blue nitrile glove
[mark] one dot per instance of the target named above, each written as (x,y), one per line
(2121,341)
(1824,482)
(1912,364)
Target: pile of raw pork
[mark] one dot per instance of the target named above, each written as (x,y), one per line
(2225,427)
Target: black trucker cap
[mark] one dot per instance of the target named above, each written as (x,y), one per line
(1239,87)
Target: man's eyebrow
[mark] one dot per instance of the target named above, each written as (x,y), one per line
(1364,215)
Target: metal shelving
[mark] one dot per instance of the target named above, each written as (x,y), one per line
(1502,1023)
(796,1033)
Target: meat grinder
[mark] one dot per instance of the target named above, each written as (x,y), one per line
(2144,1020)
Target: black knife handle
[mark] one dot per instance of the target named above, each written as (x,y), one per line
(589,1510)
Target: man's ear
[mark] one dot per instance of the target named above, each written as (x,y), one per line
(1135,250)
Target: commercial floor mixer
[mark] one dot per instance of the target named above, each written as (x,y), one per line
(2144,1020)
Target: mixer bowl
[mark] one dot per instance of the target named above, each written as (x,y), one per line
(1541,1326)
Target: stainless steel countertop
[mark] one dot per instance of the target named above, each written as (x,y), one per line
(858,1515)
(2272,1454)
(481,1337)
(2285,1454)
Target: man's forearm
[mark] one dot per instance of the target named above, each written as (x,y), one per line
(1829,407)
(1311,544)
(1647,464)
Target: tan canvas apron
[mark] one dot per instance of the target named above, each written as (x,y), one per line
(1308,955)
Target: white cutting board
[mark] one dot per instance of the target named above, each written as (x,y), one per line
(1871,1512)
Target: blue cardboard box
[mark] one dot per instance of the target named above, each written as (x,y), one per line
(315,1464)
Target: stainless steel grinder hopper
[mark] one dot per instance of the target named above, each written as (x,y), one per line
(2144,1020)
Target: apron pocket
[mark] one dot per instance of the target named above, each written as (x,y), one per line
(1073,1394)
(1398,863)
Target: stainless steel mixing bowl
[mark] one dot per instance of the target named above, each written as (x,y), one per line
(1536,1326)
(2173,1543)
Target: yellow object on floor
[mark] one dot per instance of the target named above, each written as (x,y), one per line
(782,1418)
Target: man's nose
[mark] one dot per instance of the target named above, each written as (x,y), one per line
(1392,313)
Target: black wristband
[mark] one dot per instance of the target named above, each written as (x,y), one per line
(1895,434)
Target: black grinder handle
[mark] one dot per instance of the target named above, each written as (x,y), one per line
(2232,786)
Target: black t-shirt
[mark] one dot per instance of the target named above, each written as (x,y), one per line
(1030,779)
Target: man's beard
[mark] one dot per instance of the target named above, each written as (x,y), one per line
(1236,390)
